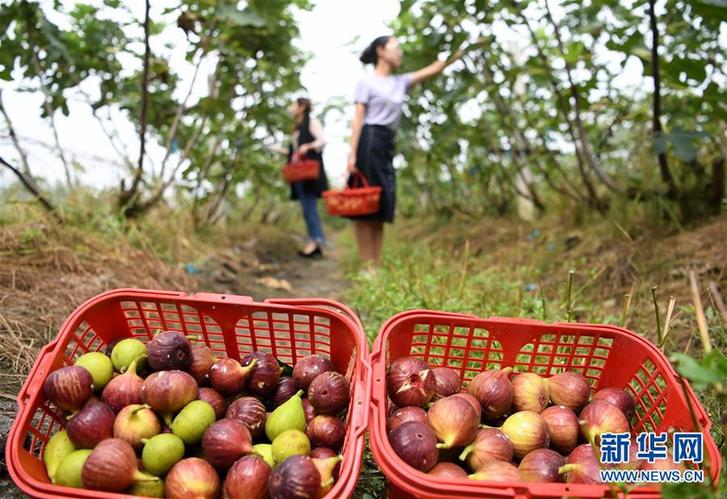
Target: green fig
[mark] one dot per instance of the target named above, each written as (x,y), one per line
(192,421)
(57,448)
(99,366)
(290,443)
(290,415)
(70,469)
(161,452)
(148,489)
(127,351)
(265,451)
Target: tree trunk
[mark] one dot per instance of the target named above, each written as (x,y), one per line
(717,184)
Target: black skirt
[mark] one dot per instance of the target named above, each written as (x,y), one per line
(374,158)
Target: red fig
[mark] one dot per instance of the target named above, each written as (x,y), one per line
(203,358)
(124,389)
(416,445)
(91,425)
(228,377)
(406,414)
(581,466)
(266,374)
(410,382)
(497,471)
(326,431)
(326,467)
(448,470)
(454,421)
(112,467)
(323,453)
(447,382)
(308,368)
(618,397)
(542,465)
(296,477)
(247,479)
(600,417)
(569,389)
(310,411)
(494,392)
(192,477)
(168,392)
(562,426)
(225,442)
(135,423)
(251,412)
(527,431)
(169,350)
(69,387)
(473,402)
(286,389)
(530,393)
(329,393)
(490,444)
(214,399)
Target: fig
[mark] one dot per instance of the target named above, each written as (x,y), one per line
(324,453)
(494,392)
(91,425)
(69,387)
(214,399)
(289,416)
(541,465)
(296,477)
(228,377)
(329,393)
(569,389)
(168,391)
(265,451)
(473,402)
(490,444)
(600,417)
(620,398)
(148,489)
(247,479)
(202,359)
(454,421)
(416,445)
(530,393)
(326,431)
(497,471)
(251,412)
(447,382)
(448,470)
(326,468)
(290,443)
(161,452)
(562,426)
(581,466)
(286,389)
(266,374)
(99,367)
(310,411)
(135,423)
(127,351)
(410,382)
(308,368)
(168,351)
(112,467)
(58,447)
(527,431)
(110,346)
(406,414)
(70,469)
(123,390)
(666,464)
(192,477)
(225,442)
(192,421)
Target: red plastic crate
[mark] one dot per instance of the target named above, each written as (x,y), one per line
(230,325)
(608,356)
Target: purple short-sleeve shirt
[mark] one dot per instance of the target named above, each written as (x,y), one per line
(383,97)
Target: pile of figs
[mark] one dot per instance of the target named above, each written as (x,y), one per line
(171,419)
(505,426)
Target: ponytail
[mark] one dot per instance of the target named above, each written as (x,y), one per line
(370,55)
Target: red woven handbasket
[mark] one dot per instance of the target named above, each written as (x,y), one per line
(354,201)
(606,355)
(230,325)
(300,169)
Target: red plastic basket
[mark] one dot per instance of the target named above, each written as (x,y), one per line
(608,356)
(354,201)
(230,325)
(300,169)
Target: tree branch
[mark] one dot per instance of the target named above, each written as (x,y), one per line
(29,183)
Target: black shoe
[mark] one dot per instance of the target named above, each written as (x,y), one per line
(318,252)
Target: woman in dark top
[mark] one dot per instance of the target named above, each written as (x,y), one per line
(379,97)
(307,140)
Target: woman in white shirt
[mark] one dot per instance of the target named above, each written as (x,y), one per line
(379,97)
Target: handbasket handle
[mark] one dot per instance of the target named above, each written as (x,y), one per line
(361,178)
(361,423)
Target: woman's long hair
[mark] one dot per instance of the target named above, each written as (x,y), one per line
(304,117)
(370,55)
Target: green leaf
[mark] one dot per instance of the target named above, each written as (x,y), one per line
(712,370)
